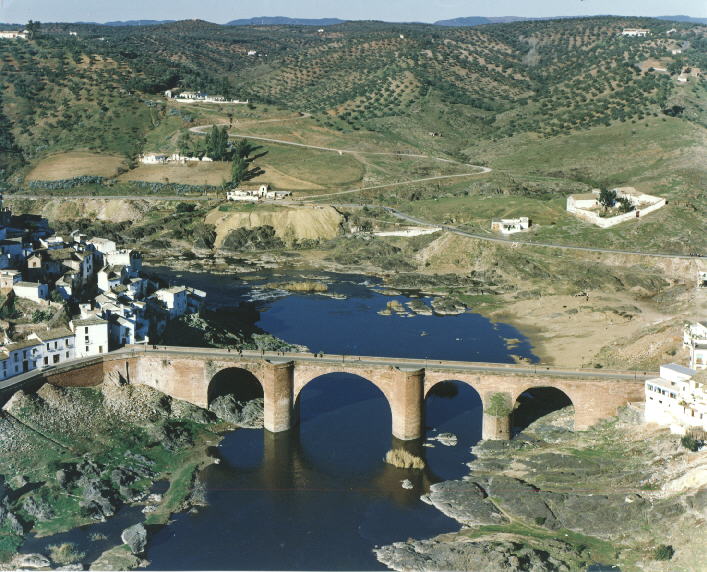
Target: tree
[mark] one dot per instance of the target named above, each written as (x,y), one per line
(217,143)
(33,29)
(625,204)
(243,148)
(184,143)
(239,168)
(607,198)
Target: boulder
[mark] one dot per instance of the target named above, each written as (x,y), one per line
(135,537)
(31,561)
(465,502)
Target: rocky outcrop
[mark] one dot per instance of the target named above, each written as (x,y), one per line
(246,414)
(467,555)
(465,502)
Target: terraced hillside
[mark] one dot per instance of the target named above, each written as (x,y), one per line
(548,77)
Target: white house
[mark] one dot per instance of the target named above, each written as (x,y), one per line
(102,245)
(131,259)
(252,52)
(510,225)
(19,357)
(13,35)
(34,291)
(677,399)
(635,32)
(57,346)
(695,338)
(254,195)
(9,277)
(174,299)
(91,336)
(153,159)
(109,277)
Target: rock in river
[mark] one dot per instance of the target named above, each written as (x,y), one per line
(135,537)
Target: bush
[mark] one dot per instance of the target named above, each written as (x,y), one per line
(498,406)
(690,443)
(66,553)
(404,460)
(663,552)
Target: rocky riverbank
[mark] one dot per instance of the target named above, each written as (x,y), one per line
(556,499)
(81,456)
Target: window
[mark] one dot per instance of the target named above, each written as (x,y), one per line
(55,358)
(67,355)
(48,348)
(86,330)
(86,339)
(86,349)
(56,345)
(100,349)
(46,360)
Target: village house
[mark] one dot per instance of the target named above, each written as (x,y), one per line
(677,399)
(57,346)
(511,225)
(695,339)
(109,277)
(635,32)
(12,252)
(174,300)
(9,277)
(19,357)
(91,336)
(35,291)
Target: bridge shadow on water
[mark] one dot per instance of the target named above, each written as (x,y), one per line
(321,497)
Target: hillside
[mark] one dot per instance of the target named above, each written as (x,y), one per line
(549,77)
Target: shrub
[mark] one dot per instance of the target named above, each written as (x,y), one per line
(65,553)
(690,443)
(540,520)
(663,552)
(404,460)
(498,405)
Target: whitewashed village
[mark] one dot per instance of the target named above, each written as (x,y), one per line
(117,305)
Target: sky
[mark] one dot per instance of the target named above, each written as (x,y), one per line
(222,11)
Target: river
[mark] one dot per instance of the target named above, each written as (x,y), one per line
(321,497)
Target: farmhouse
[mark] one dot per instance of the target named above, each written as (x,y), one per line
(677,399)
(13,35)
(263,192)
(510,225)
(153,159)
(635,32)
(586,206)
(9,277)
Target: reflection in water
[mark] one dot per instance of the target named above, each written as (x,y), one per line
(321,497)
(316,498)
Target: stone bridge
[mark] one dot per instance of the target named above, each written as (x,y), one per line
(192,374)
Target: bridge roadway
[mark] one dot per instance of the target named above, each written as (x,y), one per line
(196,375)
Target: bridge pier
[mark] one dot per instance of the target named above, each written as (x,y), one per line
(278,391)
(407,404)
(496,428)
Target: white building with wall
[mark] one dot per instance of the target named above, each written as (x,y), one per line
(585,206)
(35,291)
(91,336)
(510,225)
(677,399)
(635,32)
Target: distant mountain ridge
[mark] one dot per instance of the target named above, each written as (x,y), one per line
(138,22)
(481,20)
(284,21)
(686,19)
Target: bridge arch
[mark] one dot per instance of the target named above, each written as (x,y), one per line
(339,391)
(237,381)
(535,402)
